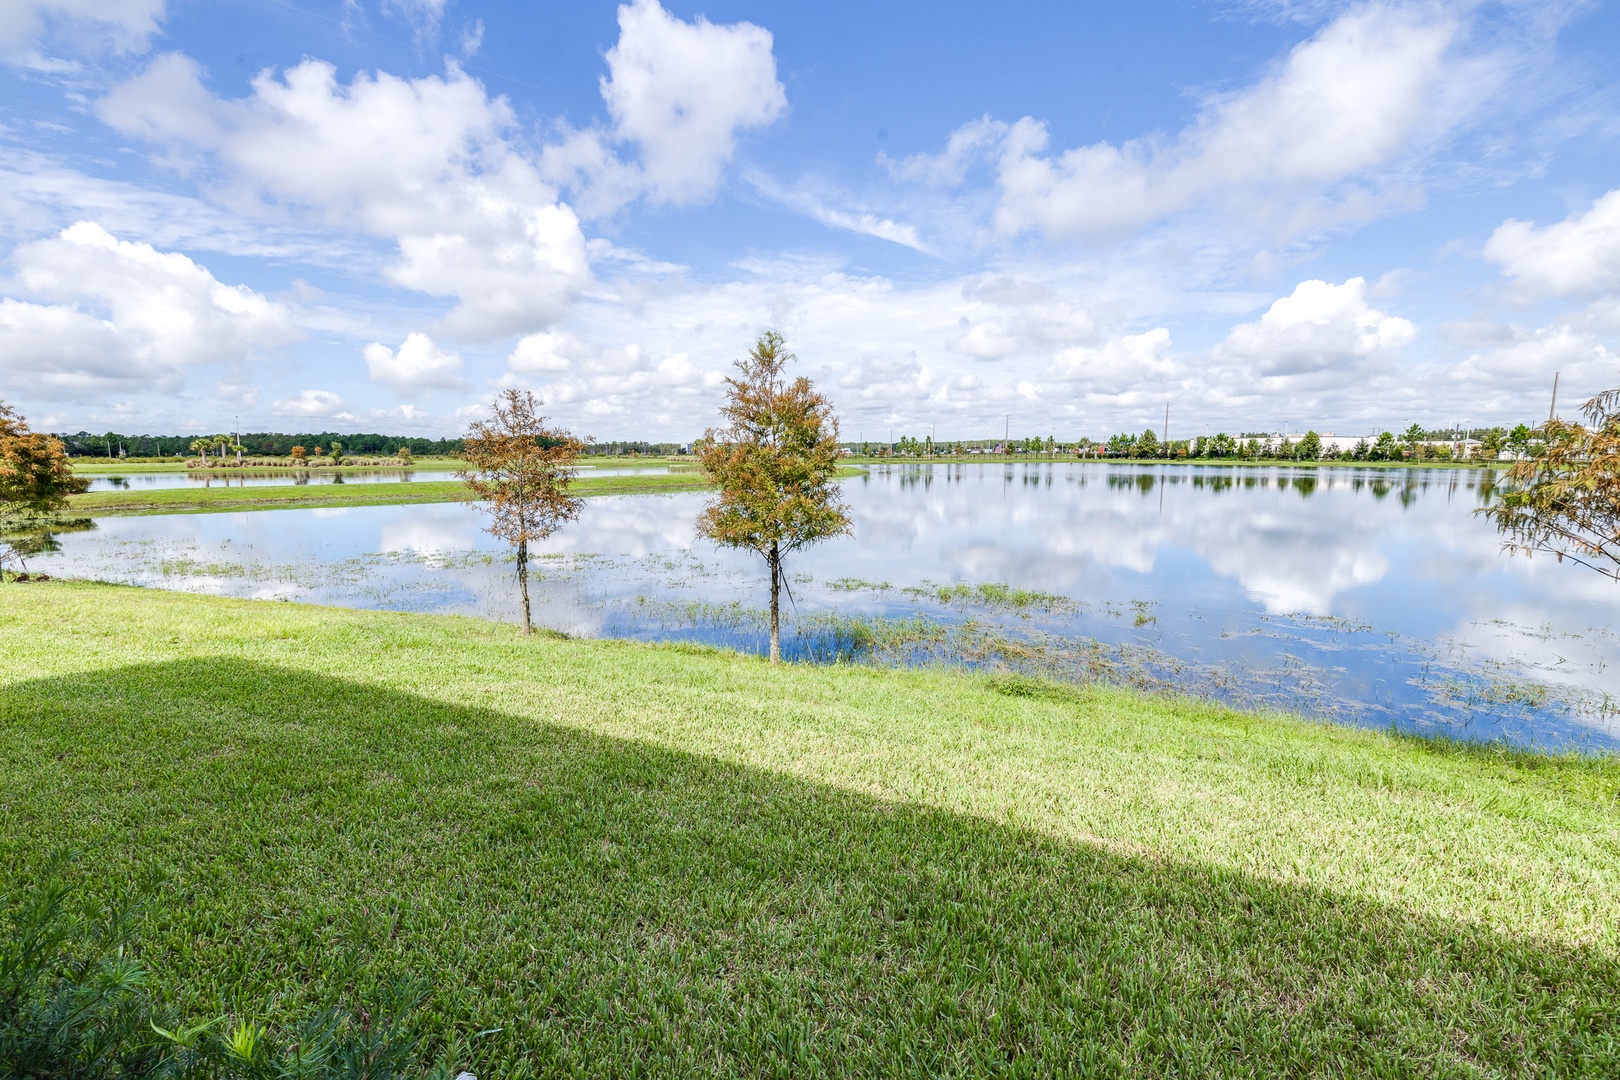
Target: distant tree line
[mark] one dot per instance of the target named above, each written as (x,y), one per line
(907,446)
(1415,443)
(620,448)
(273,444)
(114,444)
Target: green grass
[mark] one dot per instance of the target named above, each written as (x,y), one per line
(991,594)
(639,860)
(204,500)
(224,499)
(108,467)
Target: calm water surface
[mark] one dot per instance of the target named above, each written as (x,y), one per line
(1369,596)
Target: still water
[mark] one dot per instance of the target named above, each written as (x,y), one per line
(1368,596)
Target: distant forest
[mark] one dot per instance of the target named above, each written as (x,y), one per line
(113,444)
(272,444)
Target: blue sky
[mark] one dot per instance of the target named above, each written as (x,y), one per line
(374,214)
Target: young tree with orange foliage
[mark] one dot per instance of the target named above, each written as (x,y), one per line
(1564,499)
(518,472)
(773,466)
(35,479)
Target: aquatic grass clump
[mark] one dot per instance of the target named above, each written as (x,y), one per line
(992,595)
(834,637)
(854,584)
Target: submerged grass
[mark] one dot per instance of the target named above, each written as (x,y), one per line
(640,860)
(992,595)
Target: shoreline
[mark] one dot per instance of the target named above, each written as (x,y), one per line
(223,500)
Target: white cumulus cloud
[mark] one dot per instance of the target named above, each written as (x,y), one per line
(680,92)
(1319,327)
(1116,365)
(427,163)
(1517,370)
(1577,255)
(312,403)
(419,364)
(150,313)
(548,352)
(1303,144)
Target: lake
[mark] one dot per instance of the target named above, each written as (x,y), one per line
(1370,596)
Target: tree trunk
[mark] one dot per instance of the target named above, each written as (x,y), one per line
(776,624)
(523,582)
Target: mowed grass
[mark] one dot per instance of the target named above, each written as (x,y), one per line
(205,500)
(639,860)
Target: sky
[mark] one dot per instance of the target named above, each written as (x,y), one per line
(1053,219)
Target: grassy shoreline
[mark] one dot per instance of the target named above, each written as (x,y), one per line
(230,500)
(636,859)
(104,467)
(108,467)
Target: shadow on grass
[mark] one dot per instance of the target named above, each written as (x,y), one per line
(622,910)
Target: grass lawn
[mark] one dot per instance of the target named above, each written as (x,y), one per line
(206,500)
(642,860)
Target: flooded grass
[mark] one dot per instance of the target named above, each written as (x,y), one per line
(851,584)
(987,626)
(933,582)
(990,594)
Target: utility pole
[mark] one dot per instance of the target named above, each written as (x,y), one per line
(1166,439)
(1554,407)
(1006,434)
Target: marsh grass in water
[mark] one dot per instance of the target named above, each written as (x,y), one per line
(1457,698)
(990,594)
(851,584)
